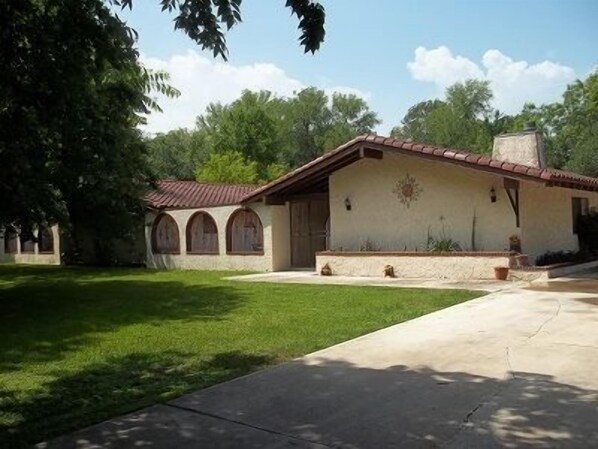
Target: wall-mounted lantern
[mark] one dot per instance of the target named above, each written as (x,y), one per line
(493,195)
(347,203)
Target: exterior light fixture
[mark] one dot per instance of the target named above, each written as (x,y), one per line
(493,195)
(347,203)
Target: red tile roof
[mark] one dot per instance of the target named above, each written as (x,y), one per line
(193,194)
(547,176)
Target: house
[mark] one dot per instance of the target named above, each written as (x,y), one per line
(40,246)
(377,201)
(373,202)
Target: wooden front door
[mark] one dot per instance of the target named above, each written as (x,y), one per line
(308,231)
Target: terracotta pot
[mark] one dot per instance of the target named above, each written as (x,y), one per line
(501,273)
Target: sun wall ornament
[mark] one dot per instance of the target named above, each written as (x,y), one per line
(407,190)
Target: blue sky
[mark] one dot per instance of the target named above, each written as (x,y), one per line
(393,53)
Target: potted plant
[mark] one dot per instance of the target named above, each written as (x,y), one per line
(501,273)
(515,244)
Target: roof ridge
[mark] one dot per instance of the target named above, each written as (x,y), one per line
(229,184)
(447,154)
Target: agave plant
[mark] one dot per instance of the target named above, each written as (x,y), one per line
(444,244)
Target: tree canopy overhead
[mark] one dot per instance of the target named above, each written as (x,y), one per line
(204,20)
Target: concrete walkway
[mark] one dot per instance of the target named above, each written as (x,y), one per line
(310,277)
(516,368)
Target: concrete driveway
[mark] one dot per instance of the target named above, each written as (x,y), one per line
(516,368)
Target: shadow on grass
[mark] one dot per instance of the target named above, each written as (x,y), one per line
(339,404)
(43,319)
(50,273)
(116,386)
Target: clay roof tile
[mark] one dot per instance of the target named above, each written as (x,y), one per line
(172,194)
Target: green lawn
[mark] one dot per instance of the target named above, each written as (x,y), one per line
(81,345)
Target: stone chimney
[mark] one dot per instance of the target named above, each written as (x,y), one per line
(526,147)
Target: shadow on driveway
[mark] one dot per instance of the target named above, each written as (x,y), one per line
(337,404)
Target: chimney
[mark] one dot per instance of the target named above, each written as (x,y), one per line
(526,147)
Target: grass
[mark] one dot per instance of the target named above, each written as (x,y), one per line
(78,346)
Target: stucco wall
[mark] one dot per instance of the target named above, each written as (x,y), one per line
(274,219)
(36,257)
(416,267)
(281,237)
(450,196)
(547,218)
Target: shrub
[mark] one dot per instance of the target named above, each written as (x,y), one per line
(587,232)
(443,244)
(554,257)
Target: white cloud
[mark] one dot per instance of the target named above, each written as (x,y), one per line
(203,80)
(441,67)
(513,82)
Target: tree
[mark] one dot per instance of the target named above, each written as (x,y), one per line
(314,124)
(464,120)
(579,130)
(307,122)
(249,126)
(202,20)
(350,117)
(414,124)
(177,154)
(72,94)
(584,157)
(570,127)
(228,167)
(274,133)
(470,100)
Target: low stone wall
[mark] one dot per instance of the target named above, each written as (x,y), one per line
(417,265)
(31,258)
(210,262)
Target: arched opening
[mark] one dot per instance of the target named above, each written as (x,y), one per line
(165,235)
(202,234)
(27,240)
(244,233)
(45,241)
(10,240)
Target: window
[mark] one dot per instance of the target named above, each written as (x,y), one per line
(244,233)
(165,235)
(202,234)
(579,207)
(27,241)
(45,241)
(10,240)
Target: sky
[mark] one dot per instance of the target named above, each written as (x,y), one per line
(393,53)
